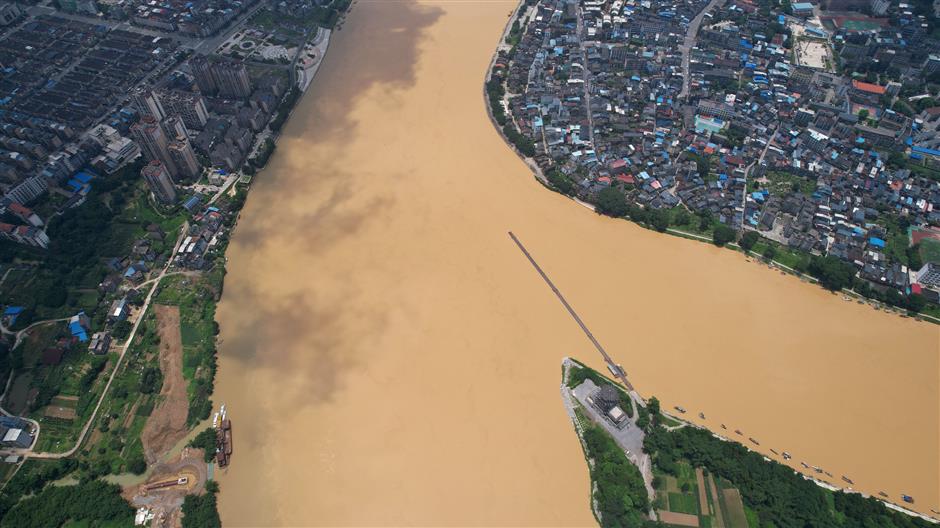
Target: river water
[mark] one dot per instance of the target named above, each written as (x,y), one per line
(389,357)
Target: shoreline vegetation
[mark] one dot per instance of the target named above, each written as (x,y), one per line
(771,495)
(828,272)
(53,486)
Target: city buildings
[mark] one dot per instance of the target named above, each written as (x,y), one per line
(9,12)
(768,122)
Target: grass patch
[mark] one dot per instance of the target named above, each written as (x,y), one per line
(930,250)
(668,422)
(780,183)
(683,503)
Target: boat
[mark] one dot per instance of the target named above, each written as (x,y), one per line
(680,409)
(738,431)
(883,494)
(723,426)
(786,456)
(828,474)
(774,451)
(227,436)
(817,469)
(847,479)
(752,440)
(908,499)
(701,415)
(223,439)
(804,464)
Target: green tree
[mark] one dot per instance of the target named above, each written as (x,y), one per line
(748,240)
(681,217)
(52,293)
(832,273)
(659,219)
(207,441)
(722,235)
(151,380)
(201,511)
(89,503)
(121,329)
(705,221)
(611,202)
(560,182)
(137,465)
(770,252)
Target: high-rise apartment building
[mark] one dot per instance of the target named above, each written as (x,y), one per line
(159,181)
(232,79)
(181,151)
(225,78)
(191,107)
(148,103)
(202,71)
(153,142)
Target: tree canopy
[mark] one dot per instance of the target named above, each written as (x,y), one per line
(611,202)
(621,494)
(90,501)
(748,240)
(722,235)
(780,497)
(200,511)
(831,272)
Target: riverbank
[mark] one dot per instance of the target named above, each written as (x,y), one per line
(579,408)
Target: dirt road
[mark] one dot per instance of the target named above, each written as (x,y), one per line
(167,424)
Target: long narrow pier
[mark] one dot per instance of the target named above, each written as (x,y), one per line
(610,362)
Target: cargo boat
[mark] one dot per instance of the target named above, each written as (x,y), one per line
(223,453)
(223,437)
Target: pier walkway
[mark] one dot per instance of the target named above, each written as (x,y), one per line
(610,362)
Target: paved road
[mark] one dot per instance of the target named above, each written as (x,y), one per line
(117,366)
(686,47)
(587,77)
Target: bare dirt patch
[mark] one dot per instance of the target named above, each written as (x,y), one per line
(702,498)
(167,422)
(680,519)
(735,507)
(61,413)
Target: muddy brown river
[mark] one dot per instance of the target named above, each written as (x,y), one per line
(389,357)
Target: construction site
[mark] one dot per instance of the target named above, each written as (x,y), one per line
(160,497)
